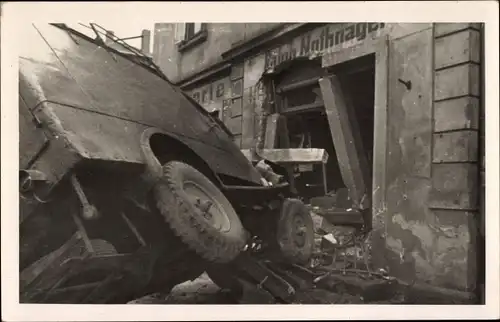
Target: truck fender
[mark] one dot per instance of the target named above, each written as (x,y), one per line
(154,169)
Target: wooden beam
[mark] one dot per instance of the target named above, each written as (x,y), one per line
(284,143)
(351,160)
(291,156)
(271,135)
(50,261)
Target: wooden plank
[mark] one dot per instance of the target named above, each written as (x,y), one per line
(265,277)
(379,47)
(271,135)
(283,134)
(380,121)
(290,156)
(71,294)
(284,142)
(52,260)
(349,158)
(340,217)
(52,277)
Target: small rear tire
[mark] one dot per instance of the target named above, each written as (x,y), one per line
(295,233)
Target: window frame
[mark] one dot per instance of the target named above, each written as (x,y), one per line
(191,40)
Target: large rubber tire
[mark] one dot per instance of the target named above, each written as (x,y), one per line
(296,245)
(212,243)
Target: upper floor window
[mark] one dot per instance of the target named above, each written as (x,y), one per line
(190,34)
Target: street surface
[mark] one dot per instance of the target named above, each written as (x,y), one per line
(204,291)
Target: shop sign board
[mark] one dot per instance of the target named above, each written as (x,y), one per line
(322,40)
(211,95)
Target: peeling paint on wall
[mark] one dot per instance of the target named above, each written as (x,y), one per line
(418,245)
(439,254)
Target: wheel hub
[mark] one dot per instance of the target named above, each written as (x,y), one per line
(209,209)
(204,206)
(300,231)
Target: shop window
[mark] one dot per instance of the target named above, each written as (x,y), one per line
(298,87)
(303,97)
(188,35)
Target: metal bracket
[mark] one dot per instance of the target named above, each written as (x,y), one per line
(32,183)
(89,210)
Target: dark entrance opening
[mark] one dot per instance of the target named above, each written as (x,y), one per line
(308,125)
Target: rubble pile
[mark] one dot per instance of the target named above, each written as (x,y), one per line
(338,273)
(340,245)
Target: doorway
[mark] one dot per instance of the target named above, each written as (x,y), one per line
(302,104)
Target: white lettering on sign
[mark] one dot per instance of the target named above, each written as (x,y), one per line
(213,92)
(320,40)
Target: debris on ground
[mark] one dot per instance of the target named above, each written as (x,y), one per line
(199,291)
(337,274)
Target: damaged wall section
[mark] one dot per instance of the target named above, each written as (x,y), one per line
(425,205)
(432,182)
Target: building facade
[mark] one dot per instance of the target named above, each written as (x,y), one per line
(414,92)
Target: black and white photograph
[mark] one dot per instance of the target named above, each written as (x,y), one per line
(168,160)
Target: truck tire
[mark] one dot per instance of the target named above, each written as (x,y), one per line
(199,213)
(295,233)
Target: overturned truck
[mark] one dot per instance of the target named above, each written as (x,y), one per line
(127,185)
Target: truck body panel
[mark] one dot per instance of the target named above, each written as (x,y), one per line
(99,103)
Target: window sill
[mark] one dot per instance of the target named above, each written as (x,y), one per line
(196,40)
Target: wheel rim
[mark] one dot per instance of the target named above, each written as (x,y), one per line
(210,208)
(299,231)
